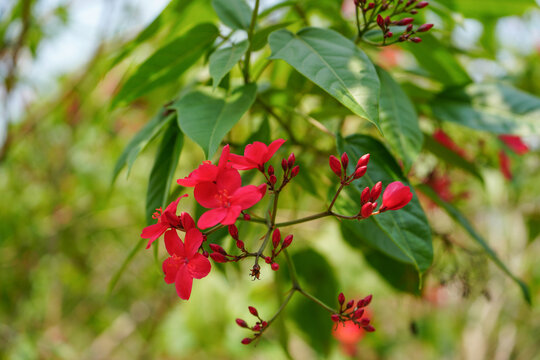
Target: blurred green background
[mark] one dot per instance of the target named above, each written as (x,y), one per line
(65,231)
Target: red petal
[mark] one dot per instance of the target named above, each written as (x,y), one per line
(170,268)
(184,283)
(241,163)
(229,180)
(187,221)
(199,266)
(272,148)
(246,196)
(232,215)
(224,157)
(256,152)
(174,205)
(152,232)
(206,194)
(192,242)
(211,218)
(173,244)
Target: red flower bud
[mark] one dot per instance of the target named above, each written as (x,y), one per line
(287,241)
(350,304)
(404,21)
(295,171)
(374,205)
(334,317)
(356,2)
(409,28)
(268,260)
(387,20)
(240,245)
(264,324)
(218,249)
(375,192)
(284,164)
(335,165)
(205,253)
(273,179)
(358,313)
(291,160)
(275,266)
(253,311)
(369,328)
(395,196)
(257,327)
(364,197)
(276,238)
(421,4)
(363,161)
(241,323)
(361,171)
(270,170)
(367,210)
(246,341)
(413,12)
(233,231)
(424,27)
(380,21)
(247,217)
(344,161)
(371,5)
(367,300)
(416,40)
(341,298)
(389,34)
(364,322)
(219,258)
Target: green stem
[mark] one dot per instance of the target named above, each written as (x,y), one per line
(292,271)
(335,197)
(317,301)
(250,38)
(283,304)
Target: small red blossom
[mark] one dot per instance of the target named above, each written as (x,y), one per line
(515,143)
(208,172)
(255,155)
(442,138)
(504,164)
(349,334)
(167,220)
(395,196)
(185,262)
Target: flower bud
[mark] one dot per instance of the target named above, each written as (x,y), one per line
(275,266)
(334,317)
(374,205)
(219,258)
(364,197)
(335,165)
(404,21)
(363,161)
(341,298)
(205,253)
(380,21)
(270,170)
(424,27)
(371,5)
(350,304)
(253,311)
(409,28)
(364,322)
(367,210)
(240,245)
(369,328)
(295,171)
(421,4)
(291,160)
(276,238)
(257,327)
(361,171)
(246,341)
(247,217)
(273,179)
(241,323)
(233,231)
(358,314)
(287,241)
(389,34)
(387,21)
(344,161)
(268,260)
(218,249)
(284,164)
(264,324)
(395,196)
(375,192)
(413,12)
(416,40)
(366,301)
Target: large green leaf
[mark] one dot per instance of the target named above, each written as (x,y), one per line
(490,107)
(316,277)
(398,119)
(451,157)
(462,220)
(236,14)
(438,61)
(223,60)
(206,116)
(403,234)
(162,172)
(167,64)
(141,140)
(490,8)
(334,63)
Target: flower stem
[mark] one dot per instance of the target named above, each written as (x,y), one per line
(317,301)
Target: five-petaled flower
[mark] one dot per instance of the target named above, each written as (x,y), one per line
(208,172)
(395,196)
(185,262)
(255,155)
(167,220)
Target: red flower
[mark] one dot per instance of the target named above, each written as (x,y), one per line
(255,155)
(395,196)
(514,142)
(185,263)
(207,171)
(167,220)
(442,138)
(504,163)
(226,198)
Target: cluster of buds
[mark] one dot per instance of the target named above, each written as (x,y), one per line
(258,328)
(290,170)
(368,199)
(340,168)
(219,254)
(277,249)
(355,314)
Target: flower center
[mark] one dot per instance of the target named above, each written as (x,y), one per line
(157,214)
(223,197)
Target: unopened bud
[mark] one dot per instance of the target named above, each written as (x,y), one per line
(218,249)
(334,317)
(241,323)
(276,238)
(275,266)
(205,253)
(341,298)
(369,328)
(295,171)
(365,301)
(405,21)
(356,2)
(291,160)
(361,171)
(233,231)
(387,20)
(358,313)
(257,327)
(375,192)
(367,210)
(273,179)
(421,4)
(264,324)
(374,205)
(287,241)
(247,217)
(424,27)
(335,165)
(350,304)
(409,28)
(413,12)
(363,161)
(364,322)
(246,341)
(364,197)
(389,34)
(416,40)
(270,170)
(219,258)
(344,161)
(380,21)
(240,244)
(268,260)
(253,311)
(371,5)
(284,164)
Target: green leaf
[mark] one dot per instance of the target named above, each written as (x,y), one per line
(162,172)
(223,60)
(334,63)
(207,117)
(496,108)
(167,64)
(451,157)
(260,38)
(403,234)
(439,61)
(317,277)
(236,14)
(262,134)
(398,119)
(490,8)
(141,140)
(462,220)
(400,275)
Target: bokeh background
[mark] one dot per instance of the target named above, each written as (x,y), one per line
(65,230)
